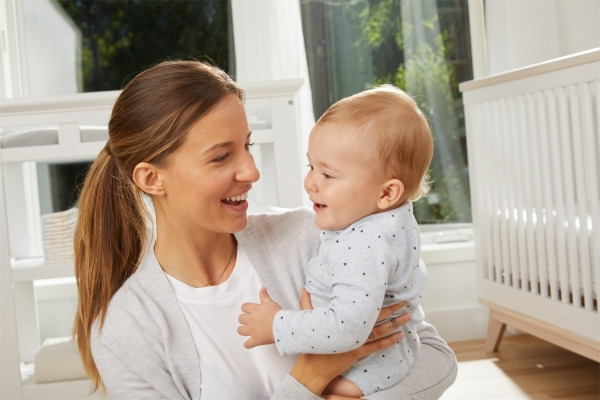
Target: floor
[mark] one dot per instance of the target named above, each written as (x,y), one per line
(524,368)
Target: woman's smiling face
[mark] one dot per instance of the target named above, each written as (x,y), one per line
(207,179)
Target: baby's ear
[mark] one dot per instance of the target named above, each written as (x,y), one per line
(148,179)
(391,191)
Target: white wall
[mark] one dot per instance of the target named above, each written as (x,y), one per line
(525,32)
(450,298)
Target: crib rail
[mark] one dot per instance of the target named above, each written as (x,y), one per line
(534,151)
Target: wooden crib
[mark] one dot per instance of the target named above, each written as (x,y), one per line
(534,161)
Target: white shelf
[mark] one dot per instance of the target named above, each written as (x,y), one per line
(53,152)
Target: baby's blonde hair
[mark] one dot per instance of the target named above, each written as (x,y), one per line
(401,132)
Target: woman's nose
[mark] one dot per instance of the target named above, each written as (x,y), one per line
(248,171)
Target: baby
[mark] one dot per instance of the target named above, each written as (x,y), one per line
(368,157)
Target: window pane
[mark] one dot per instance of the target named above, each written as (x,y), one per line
(119,38)
(420,46)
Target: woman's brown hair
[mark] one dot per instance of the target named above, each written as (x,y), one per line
(149,120)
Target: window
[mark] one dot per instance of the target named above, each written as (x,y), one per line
(420,46)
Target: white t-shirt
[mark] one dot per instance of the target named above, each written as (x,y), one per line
(231,372)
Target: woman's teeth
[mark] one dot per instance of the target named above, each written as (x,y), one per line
(236,199)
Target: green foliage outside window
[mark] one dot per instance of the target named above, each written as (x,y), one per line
(421,46)
(120,38)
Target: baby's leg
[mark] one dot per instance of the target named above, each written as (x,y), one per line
(343,387)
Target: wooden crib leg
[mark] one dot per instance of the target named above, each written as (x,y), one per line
(495,332)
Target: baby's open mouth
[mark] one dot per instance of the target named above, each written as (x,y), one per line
(235,200)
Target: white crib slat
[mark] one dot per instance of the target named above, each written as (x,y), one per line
(485,210)
(537,169)
(547,261)
(483,207)
(580,218)
(500,241)
(509,173)
(493,241)
(505,177)
(530,155)
(589,191)
(558,216)
(569,190)
(596,195)
(520,186)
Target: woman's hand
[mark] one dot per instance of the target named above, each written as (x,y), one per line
(315,371)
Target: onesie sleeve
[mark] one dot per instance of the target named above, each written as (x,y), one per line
(358,272)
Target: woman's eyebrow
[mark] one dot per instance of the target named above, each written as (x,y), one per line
(217,146)
(222,145)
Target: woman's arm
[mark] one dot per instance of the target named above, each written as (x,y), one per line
(432,373)
(122,382)
(312,372)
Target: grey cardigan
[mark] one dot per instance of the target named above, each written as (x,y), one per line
(145,348)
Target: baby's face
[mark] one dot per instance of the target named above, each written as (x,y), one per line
(345,176)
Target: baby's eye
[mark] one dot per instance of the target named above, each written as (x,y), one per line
(327,176)
(309,166)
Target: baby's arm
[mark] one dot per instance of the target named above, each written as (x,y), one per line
(257,320)
(345,317)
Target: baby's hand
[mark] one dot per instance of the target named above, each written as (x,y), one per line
(257,320)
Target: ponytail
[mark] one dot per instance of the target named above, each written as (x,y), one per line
(148,122)
(108,244)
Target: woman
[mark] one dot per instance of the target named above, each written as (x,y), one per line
(157,316)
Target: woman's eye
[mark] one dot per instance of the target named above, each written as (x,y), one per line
(248,145)
(221,158)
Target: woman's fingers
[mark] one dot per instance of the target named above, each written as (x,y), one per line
(382,329)
(389,310)
(315,371)
(387,327)
(374,345)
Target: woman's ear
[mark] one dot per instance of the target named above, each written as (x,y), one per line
(148,178)
(391,191)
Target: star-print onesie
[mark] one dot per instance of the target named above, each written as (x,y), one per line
(374,261)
